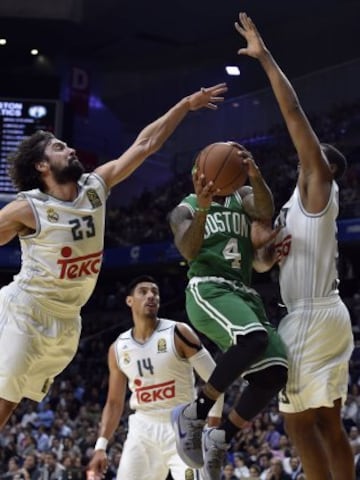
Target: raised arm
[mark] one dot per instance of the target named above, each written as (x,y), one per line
(111,413)
(257,199)
(16,218)
(152,137)
(315,176)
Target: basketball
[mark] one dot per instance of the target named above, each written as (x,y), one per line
(221,163)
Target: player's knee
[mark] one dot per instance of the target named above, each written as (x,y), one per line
(298,425)
(255,341)
(273,378)
(279,376)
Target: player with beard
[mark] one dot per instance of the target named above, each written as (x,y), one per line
(59,217)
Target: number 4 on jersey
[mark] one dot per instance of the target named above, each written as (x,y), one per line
(231,252)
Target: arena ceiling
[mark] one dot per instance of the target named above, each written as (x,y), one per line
(139,48)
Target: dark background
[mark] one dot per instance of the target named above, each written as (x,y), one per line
(143,55)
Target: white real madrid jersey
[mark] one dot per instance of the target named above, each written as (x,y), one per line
(158,378)
(308,249)
(61,260)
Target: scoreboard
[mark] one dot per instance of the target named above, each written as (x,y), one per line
(20,118)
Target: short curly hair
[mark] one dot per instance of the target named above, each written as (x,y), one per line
(22,161)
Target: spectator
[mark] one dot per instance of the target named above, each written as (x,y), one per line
(27,445)
(51,469)
(14,471)
(72,469)
(272,436)
(31,467)
(45,416)
(228,472)
(264,461)
(277,471)
(295,467)
(241,469)
(30,415)
(43,439)
(354,436)
(254,471)
(259,430)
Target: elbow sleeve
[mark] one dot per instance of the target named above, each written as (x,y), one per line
(203,363)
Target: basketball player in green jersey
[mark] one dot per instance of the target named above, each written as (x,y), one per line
(216,237)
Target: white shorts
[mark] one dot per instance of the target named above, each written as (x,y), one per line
(150,450)
(319,342)
(35,346)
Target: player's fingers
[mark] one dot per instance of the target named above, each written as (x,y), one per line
(208,186)
(218,86)
(214,191)
(204,186)
(239,28)
(217,99)
(248,160)
(201,181)
(251,23)
(246,157)
(215,92)
(244,20)
(211,106)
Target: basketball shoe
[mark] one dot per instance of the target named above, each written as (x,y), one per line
(214,450)
(188,431)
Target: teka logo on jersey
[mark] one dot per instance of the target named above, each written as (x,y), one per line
(154,393)
(283,248)
(75,267)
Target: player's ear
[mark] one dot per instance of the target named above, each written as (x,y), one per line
(41,166)
(333,169)
(128,301)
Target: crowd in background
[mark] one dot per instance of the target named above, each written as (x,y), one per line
(54,440)
(144,220)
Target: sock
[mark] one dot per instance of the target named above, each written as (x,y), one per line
(199,409)
(203,405)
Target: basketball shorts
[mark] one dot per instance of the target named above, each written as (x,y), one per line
(150,450)
(222,309)
(35,346)
(319,342)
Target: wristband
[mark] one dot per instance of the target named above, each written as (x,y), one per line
(202,209)
(101,443)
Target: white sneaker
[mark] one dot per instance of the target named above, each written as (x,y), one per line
(188,433)
(214,450)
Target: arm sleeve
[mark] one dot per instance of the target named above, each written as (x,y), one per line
(203,364)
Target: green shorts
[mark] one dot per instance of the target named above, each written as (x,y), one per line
(223,309)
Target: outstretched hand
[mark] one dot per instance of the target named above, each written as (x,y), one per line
(207,97)
(255,44)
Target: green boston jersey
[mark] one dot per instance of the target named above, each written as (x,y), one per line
(227,251)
